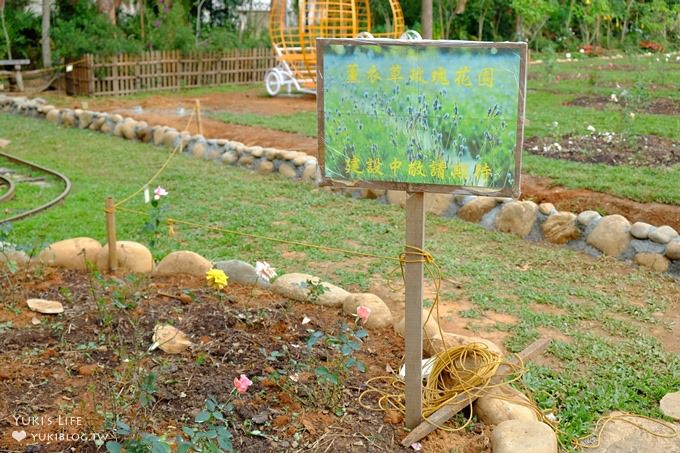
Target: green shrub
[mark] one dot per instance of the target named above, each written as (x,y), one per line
(88,31)
(23,29)
(170,30)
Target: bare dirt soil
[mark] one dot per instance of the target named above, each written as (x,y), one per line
(653,151)
(90,365)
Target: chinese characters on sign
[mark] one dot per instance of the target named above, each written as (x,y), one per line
(433,113)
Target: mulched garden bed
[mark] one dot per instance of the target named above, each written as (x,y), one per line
(608,148)
(658,106)
(92,364)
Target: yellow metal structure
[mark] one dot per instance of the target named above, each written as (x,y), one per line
(295,45)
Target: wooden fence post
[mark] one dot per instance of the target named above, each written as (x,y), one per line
(90,74)
(111,233)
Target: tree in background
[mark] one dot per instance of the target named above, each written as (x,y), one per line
(45,35)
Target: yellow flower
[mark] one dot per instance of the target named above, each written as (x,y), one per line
(216,278)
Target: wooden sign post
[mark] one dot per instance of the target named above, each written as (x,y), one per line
(420,116)
(413,332)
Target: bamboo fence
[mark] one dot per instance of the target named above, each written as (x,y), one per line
(166,70)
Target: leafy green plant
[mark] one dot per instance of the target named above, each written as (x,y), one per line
(332,374)
(315,289)
(210,432)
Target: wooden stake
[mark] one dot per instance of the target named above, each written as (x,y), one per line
(111,233)
(413,269)
(198,116)
(462,401)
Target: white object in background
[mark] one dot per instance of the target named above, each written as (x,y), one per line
(137,109)
(427,368)
(180,111)
(69,67)
(147,194)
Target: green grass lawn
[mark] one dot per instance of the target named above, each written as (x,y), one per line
(28,195)
(601,313)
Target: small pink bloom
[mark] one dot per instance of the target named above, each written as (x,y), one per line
(242,383)
(363,313)
(159,192)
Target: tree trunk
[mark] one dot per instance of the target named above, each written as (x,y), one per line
(567,23)
(108,7)
(46,50)
(480,23)
(4,29)
(426,19)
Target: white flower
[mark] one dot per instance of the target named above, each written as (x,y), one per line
(590,128)
(568,55)
(305,320)
(264,270)
(416,446)
(614,98)
(555,124)
(582,51)
(632,115)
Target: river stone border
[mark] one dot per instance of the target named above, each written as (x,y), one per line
(491,409)
(655,248)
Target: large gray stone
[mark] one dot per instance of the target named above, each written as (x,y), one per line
(641,230)
(475,209)
(131,257)
(503,403)
(547,208)
(561,228)
(673,250)
(521,436)
(287,170)
(670,405)
(241,272)
(586,217)
(183,262)
(230,157)
(517,217)
(611,236)
(380,314)
(71,253)
(621,436)
(663,234)
(295,286)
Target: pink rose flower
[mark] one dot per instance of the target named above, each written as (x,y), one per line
(363,313)
(242,383)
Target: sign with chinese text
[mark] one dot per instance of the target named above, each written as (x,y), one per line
(422,115)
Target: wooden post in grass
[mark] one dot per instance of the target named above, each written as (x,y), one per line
(198,117)
(415,237)
(111,233)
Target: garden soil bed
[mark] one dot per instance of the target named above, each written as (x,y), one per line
(91,364)
(659,106)
(161,109)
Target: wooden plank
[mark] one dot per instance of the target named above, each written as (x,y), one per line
(459,403)
(414,273)
(114,75)
(14,62)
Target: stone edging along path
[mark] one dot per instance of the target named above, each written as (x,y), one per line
(656,248)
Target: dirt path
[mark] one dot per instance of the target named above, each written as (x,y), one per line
(162,109)
(541,190)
